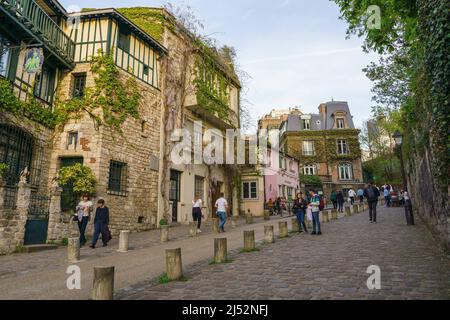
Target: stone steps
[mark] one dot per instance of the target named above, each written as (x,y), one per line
(39,247)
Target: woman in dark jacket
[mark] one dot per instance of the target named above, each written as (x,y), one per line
(340,201)
(300,205)
(101,223)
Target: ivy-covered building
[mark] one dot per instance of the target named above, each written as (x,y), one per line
(103,90)
(327,147)
(207,98)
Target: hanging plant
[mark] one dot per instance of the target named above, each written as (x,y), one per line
(80,177)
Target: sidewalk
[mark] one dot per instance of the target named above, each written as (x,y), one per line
(42,275)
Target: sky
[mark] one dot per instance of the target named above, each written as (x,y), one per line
(295,51)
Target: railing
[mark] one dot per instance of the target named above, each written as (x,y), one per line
(39,206)
(29,13)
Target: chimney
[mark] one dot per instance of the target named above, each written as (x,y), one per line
(323,109)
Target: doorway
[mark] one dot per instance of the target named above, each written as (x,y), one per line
(216,189)
(69,199)
(174,193)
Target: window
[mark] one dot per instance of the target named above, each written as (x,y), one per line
(146,69)
(79,84)
(345,171)
(289,192)
(340,123)
(72,139)
(342,147)
(4,55)
(200,187)
(306,124)
(117,177)
(308,148)
(124,41)
(250,190)
(310,170)
(43,88)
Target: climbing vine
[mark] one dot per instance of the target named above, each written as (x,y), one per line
(116,99)
(3,168)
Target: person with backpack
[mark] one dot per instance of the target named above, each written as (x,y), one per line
(315,209)
(372,194)
(340,201)
(333,199)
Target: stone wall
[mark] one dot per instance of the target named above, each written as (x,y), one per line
(429,201)
(138,147)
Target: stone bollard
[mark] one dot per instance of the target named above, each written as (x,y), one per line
(283,229)
(123,241)
(215,222)
(73,250)
(235,221)
(309,223)
(353,209)
(348,213)
(249,240)
(295,225)
(334,214)
(266,215)
(220,250)
(192,229)
(103,283)
(269,235)
(249,218)
(174,266)
(164,234)
(326,216)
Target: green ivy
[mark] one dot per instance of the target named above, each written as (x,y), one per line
(310,180)
(117,99)
(79,176)
(3,168)
(30,108)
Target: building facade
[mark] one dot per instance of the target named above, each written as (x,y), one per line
(327,147)
(124,150)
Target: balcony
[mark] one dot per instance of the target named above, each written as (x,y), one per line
(34,19)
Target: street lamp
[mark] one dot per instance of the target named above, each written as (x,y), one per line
(398,138)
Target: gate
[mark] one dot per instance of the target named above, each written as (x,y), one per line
(37,222)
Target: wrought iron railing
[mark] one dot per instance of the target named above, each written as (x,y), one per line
(34,18)
(39,206)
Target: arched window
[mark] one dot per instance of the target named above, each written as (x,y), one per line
(16,150)
(310,170)
(345,171)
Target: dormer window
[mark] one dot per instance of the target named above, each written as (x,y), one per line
(340,123)
(306,124)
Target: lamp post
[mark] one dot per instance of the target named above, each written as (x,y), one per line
(398,138)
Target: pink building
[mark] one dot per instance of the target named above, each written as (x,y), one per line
(281,177)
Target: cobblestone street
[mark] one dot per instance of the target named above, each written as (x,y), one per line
(332,266)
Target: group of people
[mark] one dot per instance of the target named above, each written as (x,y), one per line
(101,221)
(278,206)
(301,204)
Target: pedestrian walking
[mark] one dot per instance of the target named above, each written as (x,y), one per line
(372,194)
(222,206)
(340,201)
(84,210)
(408,209)
(278,206)
(352,196)
(387,196)
(197,214)
(299,207)
(101,223)
(270,206)
(315,204)
(333,198)
(360,194)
